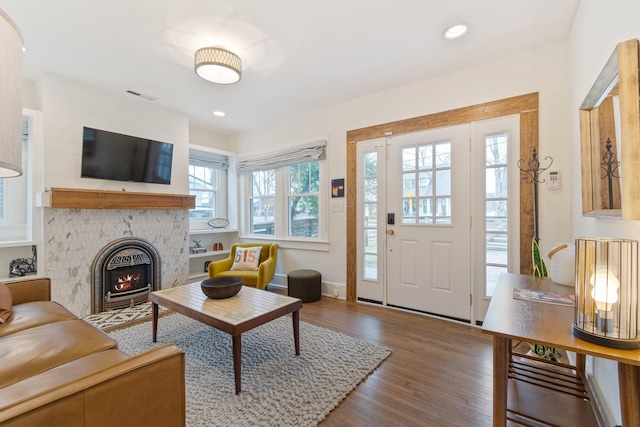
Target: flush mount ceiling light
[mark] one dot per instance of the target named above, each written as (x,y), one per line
(218,65)
(455,31)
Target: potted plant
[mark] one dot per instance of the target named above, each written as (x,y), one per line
(540,270)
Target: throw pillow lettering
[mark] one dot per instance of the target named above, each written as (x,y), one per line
(246,258)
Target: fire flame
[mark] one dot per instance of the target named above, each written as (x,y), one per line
(124,283)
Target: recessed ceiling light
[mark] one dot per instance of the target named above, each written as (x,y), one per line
(24,48)
(219,113)
(455,31)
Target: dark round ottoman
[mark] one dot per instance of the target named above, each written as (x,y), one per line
(305,284)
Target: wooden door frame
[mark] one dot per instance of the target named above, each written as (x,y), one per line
(524,105)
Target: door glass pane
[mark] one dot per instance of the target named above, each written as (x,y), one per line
(496,182)
(371,241)
(371,266)
(409,184)
(443,210)
(425,156)
(492,278)
(426,211)
(371,164)
(409,211)
(409,158)
(497,245)
(370,189)
(425,181)
(443,182)
(496,153)
(370,215)
(443,154)
(496,215)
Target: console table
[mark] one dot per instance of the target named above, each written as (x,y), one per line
(548,394)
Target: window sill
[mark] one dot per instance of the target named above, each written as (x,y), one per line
(17,243)
(303,244)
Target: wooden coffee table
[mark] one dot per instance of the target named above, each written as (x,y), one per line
(247,309)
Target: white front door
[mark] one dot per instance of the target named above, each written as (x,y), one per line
(428,236)
(429,254)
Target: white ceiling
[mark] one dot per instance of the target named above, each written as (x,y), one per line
(297,55)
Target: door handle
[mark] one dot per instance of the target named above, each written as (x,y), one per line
(390,232)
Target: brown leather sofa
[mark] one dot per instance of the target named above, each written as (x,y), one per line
(58,370)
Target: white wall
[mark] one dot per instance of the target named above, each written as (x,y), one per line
(68,105)
(598,27)
(201,135)
(542,70)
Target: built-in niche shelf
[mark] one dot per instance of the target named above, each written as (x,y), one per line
(74,198)
(207,239)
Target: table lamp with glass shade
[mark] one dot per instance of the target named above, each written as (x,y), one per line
(606,310)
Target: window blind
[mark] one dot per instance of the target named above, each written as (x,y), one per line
(309,152)
(209,160)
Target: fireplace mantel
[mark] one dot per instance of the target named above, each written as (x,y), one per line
(75,198)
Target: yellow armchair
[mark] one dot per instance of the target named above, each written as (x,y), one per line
(259,278)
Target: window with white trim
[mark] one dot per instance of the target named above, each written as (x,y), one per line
(303,199)
(208,183)
(284,193)
(262,202)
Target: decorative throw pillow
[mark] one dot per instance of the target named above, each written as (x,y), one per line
(5,303)
(246,258)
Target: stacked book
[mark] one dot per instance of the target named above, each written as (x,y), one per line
(196,250)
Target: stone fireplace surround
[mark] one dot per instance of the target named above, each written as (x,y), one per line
(72,238)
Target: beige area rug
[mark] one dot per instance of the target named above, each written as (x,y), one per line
(278,387)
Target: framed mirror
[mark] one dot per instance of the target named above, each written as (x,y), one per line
(610,138)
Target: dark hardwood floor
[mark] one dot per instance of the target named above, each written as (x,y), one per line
(439,373)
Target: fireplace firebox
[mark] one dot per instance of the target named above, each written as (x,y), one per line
(124,272)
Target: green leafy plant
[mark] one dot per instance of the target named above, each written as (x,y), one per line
(540,270)
(550,353)
(539,266)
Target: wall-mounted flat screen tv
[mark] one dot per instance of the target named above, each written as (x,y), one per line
(108,155)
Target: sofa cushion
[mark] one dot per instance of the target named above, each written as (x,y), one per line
(31,314)
(59,376)
(249,277)
(6,301)
(35,350)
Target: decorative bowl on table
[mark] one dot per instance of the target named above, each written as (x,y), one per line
(221,287)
